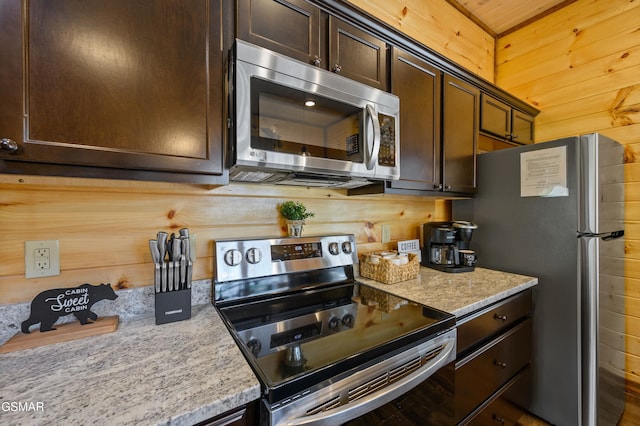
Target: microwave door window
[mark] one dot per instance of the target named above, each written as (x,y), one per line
(287,120)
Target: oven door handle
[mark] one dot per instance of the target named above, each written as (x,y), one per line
(362,406)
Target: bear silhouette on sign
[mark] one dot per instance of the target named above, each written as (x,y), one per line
(48,306)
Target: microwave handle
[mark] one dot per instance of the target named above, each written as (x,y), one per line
(371,155)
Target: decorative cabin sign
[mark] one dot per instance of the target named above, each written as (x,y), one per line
(50,305)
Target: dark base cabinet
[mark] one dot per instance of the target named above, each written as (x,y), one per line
(505,407)
(493,363)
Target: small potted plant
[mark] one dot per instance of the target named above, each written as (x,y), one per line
(294,213)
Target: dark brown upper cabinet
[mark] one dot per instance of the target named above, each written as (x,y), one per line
(302,31)
(438,131)
(418,85)
(504,122)
(289,27)
(120,89)
(357,55)
(460,115)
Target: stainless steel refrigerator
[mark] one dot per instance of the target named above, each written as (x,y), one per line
(555,210)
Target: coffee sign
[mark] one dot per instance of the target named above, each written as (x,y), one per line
(48,306)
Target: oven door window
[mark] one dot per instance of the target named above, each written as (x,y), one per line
(287,120)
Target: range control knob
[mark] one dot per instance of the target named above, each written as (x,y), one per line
(334,249)
(232,257)
(253,255)
(254,346)
(334,323)
(347,320)
(346,247)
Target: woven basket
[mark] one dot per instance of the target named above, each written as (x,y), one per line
(387,272)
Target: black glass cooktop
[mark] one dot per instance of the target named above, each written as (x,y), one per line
(378,325)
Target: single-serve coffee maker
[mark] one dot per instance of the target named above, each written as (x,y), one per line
(446,246)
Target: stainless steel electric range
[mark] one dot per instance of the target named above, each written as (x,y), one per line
(326,348)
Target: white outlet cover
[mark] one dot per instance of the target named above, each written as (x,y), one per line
(30,248)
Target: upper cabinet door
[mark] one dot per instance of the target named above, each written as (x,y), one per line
(460,109)
(522,127)
(290,27)
(504,122)
(117,84)
(357,55)
(495,117)
(417,84)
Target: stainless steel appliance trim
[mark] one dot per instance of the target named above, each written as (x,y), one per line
(266,266)
(589,336)
(294,413)
(588,157)
(252,61)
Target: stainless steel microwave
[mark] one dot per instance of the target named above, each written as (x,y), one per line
(296,124)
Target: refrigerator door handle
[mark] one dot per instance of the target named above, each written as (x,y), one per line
(605,236)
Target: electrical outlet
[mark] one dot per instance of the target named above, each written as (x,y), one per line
(41,258)
(386,233)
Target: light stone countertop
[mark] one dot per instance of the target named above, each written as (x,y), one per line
(457,293)
(184,372)
(179,373)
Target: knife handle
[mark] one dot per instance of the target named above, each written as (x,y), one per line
(163,277)
(176,276)
(170,276)
(162,244)
(155,256)
(156,278)
(189,271)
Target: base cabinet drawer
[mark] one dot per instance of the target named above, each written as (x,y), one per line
(505,406)
(480,374)
(486,324)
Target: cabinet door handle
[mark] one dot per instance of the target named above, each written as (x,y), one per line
(8,145)
(447,187)
(500,317)
(498,419)
(316,61)
(500,364)
(514,136)
(337,68)
(437,186)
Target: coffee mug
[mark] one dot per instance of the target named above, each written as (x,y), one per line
(468,257)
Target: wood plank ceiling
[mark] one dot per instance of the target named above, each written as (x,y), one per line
(500,17)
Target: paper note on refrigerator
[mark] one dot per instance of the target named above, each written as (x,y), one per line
(543,173)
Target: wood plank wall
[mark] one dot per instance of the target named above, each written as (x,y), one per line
(103,226)
(440,26)
(581,67)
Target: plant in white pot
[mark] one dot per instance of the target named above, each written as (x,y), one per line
(294,213)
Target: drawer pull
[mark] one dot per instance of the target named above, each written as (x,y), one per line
(498,419)
(500,317)
(500,364)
